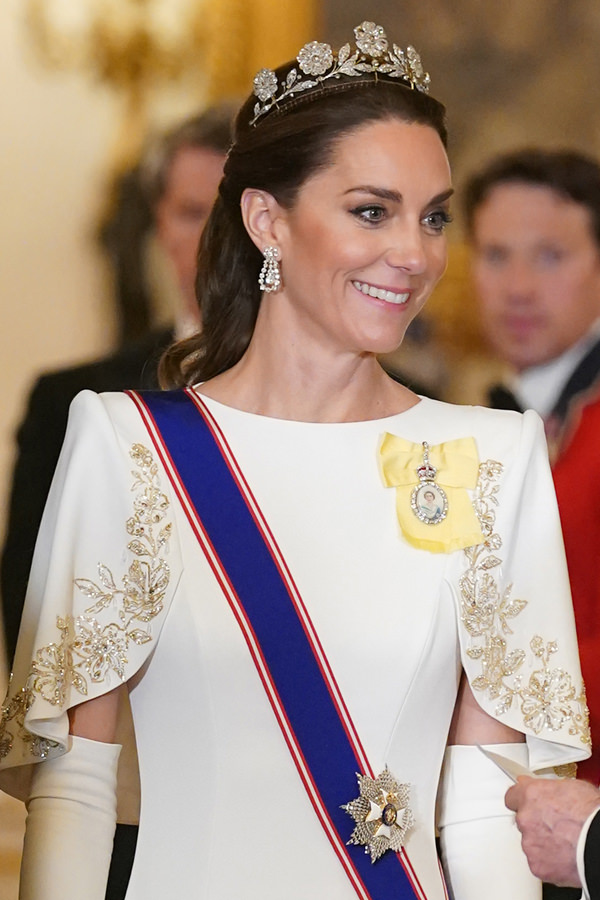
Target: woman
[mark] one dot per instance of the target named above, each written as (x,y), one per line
(282,614)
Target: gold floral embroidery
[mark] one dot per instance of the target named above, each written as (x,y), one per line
(14,712)
(567,770)
(89,648)
(548,698)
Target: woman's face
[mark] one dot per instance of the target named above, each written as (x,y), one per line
(364,244)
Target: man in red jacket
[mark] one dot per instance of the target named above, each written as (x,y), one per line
(533,219)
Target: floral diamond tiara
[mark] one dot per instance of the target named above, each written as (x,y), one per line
(317,63)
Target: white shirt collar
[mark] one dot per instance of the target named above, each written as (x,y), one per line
(539,387)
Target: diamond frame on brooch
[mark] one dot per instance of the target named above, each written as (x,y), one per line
(426,473)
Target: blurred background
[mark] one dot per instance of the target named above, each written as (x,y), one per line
(84,82)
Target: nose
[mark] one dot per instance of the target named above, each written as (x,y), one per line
(406,250)
(519,280)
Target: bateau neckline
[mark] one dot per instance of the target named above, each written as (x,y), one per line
(234,411)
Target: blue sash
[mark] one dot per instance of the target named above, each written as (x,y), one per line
(289,659)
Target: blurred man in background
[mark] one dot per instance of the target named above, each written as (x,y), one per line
(533,220)
(179,181)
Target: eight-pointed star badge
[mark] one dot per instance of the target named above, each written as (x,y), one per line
(381,813)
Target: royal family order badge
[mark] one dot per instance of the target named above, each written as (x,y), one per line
(381,813)
(428,501)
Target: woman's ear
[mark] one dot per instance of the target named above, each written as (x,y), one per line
(261,214)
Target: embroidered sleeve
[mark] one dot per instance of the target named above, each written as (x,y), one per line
(95,644)
(513,674)
(100,586)
(517,630)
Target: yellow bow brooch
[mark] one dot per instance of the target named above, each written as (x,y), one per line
(434,509)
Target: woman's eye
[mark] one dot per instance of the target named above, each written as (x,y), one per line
(371,213)
(438,220)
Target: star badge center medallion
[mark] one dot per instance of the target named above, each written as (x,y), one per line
(382,814)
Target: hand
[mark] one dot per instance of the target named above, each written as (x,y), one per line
(550,815)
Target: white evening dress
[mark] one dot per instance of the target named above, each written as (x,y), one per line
(223,811)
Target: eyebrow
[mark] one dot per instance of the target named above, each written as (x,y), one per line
(395,196)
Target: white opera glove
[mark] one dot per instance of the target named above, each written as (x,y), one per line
(71,816)
(480,843)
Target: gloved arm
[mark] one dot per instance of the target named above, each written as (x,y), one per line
(481,846)
(71,816)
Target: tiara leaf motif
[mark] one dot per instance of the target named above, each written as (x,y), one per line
(317,63)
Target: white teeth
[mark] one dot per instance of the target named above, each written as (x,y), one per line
(380,294)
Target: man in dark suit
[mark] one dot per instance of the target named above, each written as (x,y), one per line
(559,823)
(180,177)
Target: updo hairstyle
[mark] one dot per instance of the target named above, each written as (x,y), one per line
(278,154)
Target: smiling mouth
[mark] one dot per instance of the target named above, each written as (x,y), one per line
(381,294)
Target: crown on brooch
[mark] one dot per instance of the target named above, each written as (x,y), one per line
(317,63)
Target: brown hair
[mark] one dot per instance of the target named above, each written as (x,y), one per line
(277,155)
(573,175)
(209,130)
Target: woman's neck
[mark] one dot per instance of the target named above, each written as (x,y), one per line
(283,380)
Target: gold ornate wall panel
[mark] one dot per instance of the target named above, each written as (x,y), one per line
(512,73)
(250,34)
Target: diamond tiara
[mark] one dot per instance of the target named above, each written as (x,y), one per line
(317,63)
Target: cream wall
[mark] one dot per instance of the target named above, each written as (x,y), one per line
(57,146)
(54,303)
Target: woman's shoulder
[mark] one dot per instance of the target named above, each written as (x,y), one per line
(113,412)
(480,417)
(103,432)
(89,405)
(498,432)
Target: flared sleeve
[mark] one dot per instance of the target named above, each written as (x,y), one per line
(104,573)
(515,617)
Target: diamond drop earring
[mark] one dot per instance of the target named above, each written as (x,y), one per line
(269,279)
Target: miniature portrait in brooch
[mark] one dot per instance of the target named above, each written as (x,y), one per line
(429,503)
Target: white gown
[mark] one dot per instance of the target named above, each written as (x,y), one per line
(223,811)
